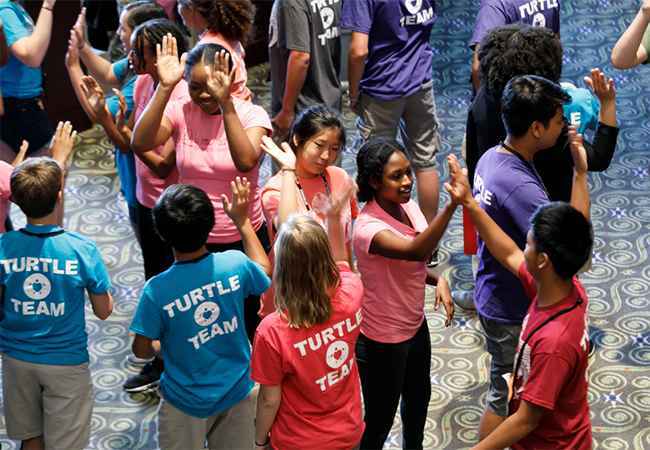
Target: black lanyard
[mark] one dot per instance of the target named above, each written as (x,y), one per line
(193,260)
(42,235)
(523,346)
(530,167)
(302,194)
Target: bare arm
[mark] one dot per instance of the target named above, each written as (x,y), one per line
(335,229)
(144,347)
(102,304)
(628,51)
(502,247)
(476,81)
(606,95)
(76,76)
(162,165)
(286,159)
(580,191)
(98,66)
(515,427)
(238,213)
(268,403)
(389,245)
(297,68)
(31,50)
(356,65)
(443,294)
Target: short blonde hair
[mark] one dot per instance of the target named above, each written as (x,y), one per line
(306,274)
(35,186)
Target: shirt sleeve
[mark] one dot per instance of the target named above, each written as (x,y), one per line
(548,375)
(252,115)
(296,26)
(489,16)
(357,15)
(120,67)
(97,279)
(258,282)
(148,321)
(266,359)
(271,198)
(523,202)
(528,281)
(13,26)
(645,42)
(365,232)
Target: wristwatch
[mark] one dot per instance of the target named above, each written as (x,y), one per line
(350,99)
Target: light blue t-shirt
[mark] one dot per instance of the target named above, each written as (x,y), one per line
(43,280)
(583,109)
(16,79)
(125,162)
(196,309)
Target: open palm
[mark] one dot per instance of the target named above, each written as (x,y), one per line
(219,78)
(170,68)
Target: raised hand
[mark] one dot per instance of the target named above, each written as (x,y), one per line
(238,209)
(337,203)
(285,157)
(170,68)
(64,137)
(602,89)
(94,94)
(443,295)
(49,4)
(578,152)
(78,27)
(219,78)
(458,188)
(72,55)
(120,116)
(20,157)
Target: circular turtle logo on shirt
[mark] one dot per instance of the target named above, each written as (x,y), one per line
(206,314)
(337,354)
(413,6)
(539,20)
(37,286)
(327,16)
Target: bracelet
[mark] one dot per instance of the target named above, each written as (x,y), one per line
(351,99)
(79,48)
(262,445)
(288,170)
(46,9)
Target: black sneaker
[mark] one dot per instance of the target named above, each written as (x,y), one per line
(147,378)
(592,348)
(434,260)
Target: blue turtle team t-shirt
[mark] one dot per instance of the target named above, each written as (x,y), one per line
(583,109)
(399,55)
(17,79)
(43,280)
(125,162)
(196,310)
(510,193)
(495,13)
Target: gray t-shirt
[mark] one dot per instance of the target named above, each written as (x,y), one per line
(308,26)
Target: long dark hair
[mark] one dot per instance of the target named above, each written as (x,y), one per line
(150,33)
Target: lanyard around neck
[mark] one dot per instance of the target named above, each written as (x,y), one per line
(302,193)
(42,235)
(528,164)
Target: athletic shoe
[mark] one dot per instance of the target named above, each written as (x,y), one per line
(147,378)
(592,348)
(464,299)
(434,260)
(137,362)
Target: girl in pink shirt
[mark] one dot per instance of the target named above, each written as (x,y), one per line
(308,179)
(303,356)
(228,23)
(392,242)
(217,138)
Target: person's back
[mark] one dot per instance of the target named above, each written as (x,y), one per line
(44,271)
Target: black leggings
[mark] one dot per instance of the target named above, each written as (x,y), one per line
(252,302)
(158,255)
(388,371)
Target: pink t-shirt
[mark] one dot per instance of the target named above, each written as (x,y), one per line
(203,159)
(5,192)
(316,195)
(317,368)
(393,303)
(237,54)
(148,185)
(554,370)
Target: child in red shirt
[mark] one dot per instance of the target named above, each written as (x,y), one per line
(548,404)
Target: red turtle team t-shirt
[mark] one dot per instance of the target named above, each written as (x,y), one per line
(317,368)
(554,370)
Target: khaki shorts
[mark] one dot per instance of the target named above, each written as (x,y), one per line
(44,399)
(233,428)
(413,117)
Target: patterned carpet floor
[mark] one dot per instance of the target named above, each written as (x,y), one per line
(618,285)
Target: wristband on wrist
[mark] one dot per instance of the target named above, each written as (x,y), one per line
(46,9)
(84,44)
(262,445)
(352,99)
(286,169)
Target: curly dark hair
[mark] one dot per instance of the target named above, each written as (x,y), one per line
(518,49)
(371,160)
(150,33)
(232,18)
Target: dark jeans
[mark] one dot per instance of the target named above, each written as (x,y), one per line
(24,119)
(252,302)
(388,371)
(157,254)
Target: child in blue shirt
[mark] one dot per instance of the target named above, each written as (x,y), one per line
(44,270)
(192,316)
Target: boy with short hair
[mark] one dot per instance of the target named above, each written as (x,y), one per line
(192,316)
(548,403)
(47,389)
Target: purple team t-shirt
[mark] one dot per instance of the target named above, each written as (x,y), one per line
(494,13)
(510,193)
(399,55)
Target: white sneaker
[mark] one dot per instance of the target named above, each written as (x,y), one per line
(137,362)
(464,299)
